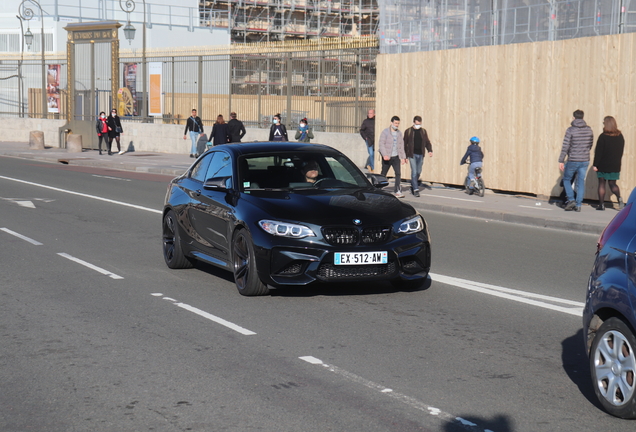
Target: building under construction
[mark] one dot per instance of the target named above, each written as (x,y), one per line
(277,20)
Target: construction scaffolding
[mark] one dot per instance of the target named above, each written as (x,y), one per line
(278,20)
(329,81)
(416,25)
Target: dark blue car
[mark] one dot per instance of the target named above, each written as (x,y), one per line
(609,317)
(289,214)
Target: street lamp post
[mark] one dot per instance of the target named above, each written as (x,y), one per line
(129,32)
(26,13)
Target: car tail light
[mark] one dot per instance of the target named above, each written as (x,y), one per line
(611,228)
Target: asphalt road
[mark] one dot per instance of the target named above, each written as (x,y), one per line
(99,335)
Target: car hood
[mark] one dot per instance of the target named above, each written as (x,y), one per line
(334,206)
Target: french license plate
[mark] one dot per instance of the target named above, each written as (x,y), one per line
(354,258)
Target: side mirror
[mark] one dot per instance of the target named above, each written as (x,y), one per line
(218,183)
(378,181)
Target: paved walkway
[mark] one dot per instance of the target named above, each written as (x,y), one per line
(493,206)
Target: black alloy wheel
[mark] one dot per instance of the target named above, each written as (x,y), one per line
(172,251)
(613,367)
(245,275)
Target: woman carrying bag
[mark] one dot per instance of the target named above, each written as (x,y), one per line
(114,130)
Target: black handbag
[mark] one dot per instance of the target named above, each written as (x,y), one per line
(119,129)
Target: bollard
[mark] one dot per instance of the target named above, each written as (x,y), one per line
(74,143)
(36,140)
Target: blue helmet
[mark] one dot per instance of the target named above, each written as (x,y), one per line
(474,140)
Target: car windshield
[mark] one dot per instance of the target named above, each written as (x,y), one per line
(287,171)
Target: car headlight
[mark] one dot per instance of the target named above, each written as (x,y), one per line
(285,229)
(411,226)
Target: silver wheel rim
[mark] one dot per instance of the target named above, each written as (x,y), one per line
(615,366)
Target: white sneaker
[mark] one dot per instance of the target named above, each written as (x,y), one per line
(398,194)
(122,152)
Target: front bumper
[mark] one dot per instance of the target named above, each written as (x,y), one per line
(409,258)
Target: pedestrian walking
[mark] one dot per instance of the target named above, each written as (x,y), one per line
(195,126)
(304,133)
(220,132)
(278,131)
(607,160)
(577,144)
(367,132)
(391,148)
(102,130)
(415,141)
(475,155)
(236,129)
(114,131)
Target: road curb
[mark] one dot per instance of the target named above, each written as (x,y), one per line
(500,216)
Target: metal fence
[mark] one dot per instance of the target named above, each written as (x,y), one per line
(331,88)
(414,25)
(21,86)
(332,84)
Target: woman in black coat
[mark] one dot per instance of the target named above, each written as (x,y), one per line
(220,131)
(607,160)
(278,131)
(114,130)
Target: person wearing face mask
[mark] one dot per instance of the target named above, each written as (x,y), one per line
(278,131)
(114,130)
(415,141)
(391,148)
(102,130)
(304,133)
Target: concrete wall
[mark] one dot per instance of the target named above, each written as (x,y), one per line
(519,100)
(166,138)
(17,129)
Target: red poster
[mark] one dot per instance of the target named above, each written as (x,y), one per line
(128,100)
(53,88)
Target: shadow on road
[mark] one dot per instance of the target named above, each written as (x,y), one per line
(499,423)
(576,365)
(347,289)
(214,271)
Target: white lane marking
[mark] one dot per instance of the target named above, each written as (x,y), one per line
(22,202)
(535,207)
(25,238)
(576,308)
(111,178)
(410,401)
(90,266)
(27,204)
(209,316)
(453,198)
(135,206)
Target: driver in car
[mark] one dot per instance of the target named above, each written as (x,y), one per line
(310,171)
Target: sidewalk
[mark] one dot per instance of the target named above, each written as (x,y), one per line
(439,198)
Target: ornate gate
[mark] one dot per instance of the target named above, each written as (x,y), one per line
(93,75)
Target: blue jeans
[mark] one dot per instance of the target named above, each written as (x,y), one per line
(416,169)
(580,168)
(194,136)
(370,159)
(471,172)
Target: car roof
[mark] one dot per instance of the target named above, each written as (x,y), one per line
(266,147)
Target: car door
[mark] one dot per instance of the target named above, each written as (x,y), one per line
(192,185)
(212,215)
